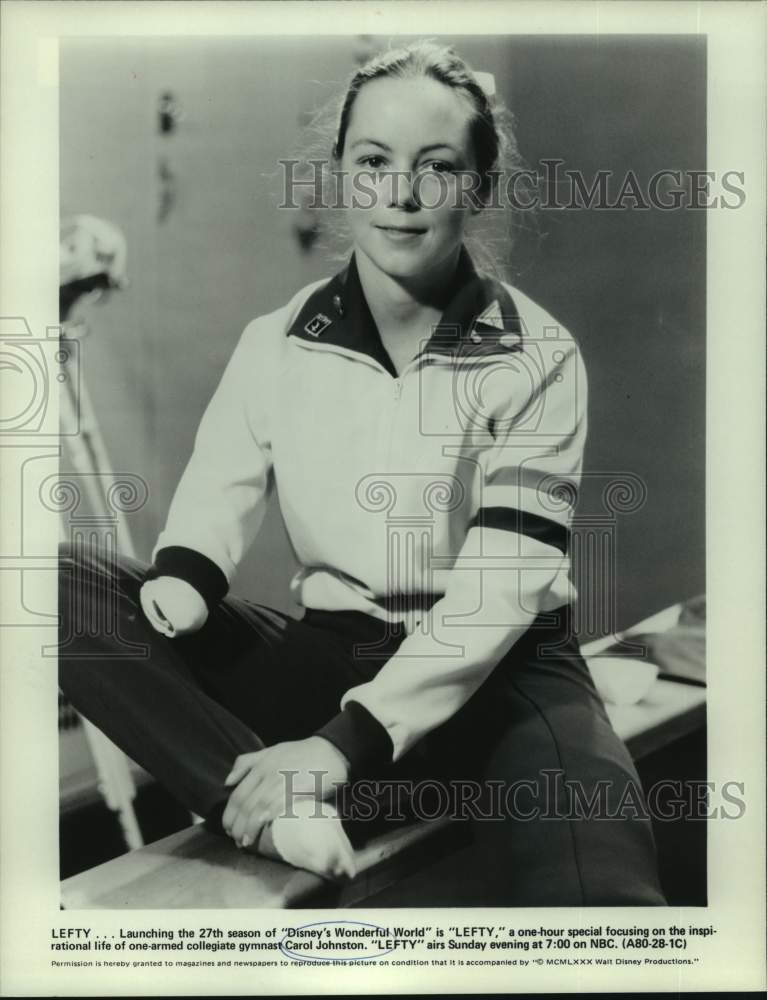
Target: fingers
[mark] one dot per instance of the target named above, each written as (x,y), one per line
(310,836)
(260,797)
(265,803)
(242,764)
(247,826)
(238,800)
(265,781)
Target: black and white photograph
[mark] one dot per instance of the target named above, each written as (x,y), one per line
(381,502)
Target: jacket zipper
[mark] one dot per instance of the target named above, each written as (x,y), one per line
(396,396)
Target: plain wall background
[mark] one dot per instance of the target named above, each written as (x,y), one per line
(630,285)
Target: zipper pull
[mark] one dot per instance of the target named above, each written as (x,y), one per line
(397,389)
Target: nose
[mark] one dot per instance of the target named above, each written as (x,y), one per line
(402,193)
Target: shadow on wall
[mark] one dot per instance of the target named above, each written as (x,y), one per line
(178,142)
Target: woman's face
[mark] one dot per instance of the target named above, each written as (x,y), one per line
(406,141)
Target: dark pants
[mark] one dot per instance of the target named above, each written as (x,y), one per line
(520,762)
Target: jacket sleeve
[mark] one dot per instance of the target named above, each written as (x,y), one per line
(220,501)
(513,564)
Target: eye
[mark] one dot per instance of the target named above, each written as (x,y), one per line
(439,166)
(373,160)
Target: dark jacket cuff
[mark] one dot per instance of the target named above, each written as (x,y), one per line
(197,570)
(360,737)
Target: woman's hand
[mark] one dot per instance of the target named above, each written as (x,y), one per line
(268,780)
(173,606)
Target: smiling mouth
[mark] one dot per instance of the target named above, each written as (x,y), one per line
(402,230)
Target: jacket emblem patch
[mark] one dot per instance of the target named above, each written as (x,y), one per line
(317,324)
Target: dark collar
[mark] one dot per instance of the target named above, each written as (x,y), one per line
(480,316)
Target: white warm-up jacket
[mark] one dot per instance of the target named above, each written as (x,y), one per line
(440,498)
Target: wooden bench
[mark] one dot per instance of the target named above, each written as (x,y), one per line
(194,869)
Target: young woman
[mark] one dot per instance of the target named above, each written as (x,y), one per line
(425,425)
